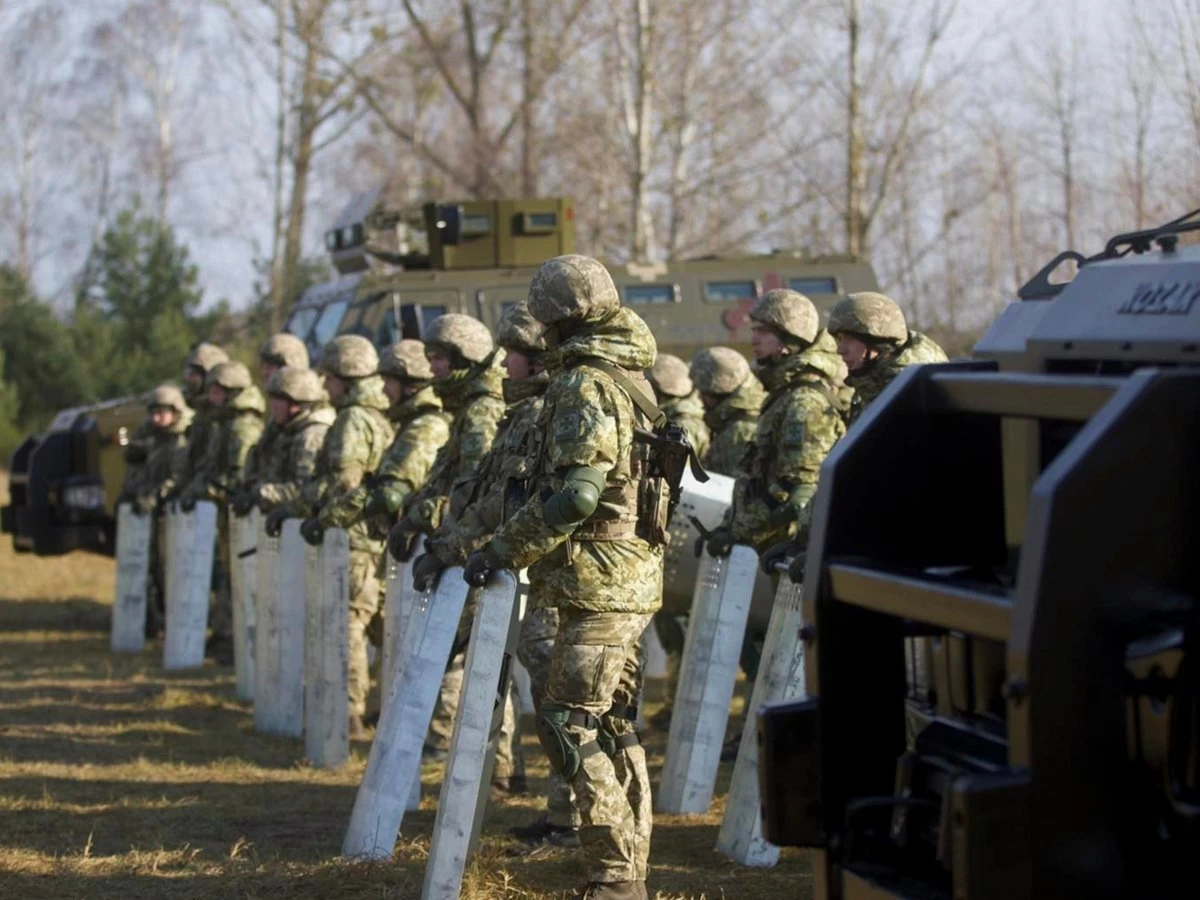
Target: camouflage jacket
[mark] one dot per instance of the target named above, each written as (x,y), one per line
(292,460)
(236,428)
(422,428)
(869,383)
(477,404)
(497,488)
(588,420)
(732,423)
(200,438)
(353,447)
(166,461)
(261,454)
(688,412)
(798,426)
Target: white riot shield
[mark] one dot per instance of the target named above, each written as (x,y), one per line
(279,663)
(780,677)
(133,571)
(243,568)
(472,749)
(707,502)
(193,539)
(706,681)
(399,596)
(326,651)
(395,759)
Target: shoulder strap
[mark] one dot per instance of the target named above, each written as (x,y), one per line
(637,394)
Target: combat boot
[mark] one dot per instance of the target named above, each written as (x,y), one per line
(615,890)
(543,832)
(219,649)
(509,786)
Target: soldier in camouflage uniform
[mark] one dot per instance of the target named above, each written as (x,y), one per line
(462,357)
(421,426)
(591,543)
(195,370)
(168,420)
(874,341)
(302,416)
(678,399)
(732,399)
(478,504)
(237,412)
(797,363)
(353,447)
(277,351)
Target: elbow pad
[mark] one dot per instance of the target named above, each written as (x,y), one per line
(575,501)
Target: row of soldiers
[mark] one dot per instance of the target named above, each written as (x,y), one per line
(432,450)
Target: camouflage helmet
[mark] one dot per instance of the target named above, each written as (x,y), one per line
(719,371)
(284,349)
(406,360)
(204,356)
(871,315)
(230,375)
(300,385)
(464,335)
(349,356)
(166,396)
(669,375)
(572,288)
(519,330)
(788,313)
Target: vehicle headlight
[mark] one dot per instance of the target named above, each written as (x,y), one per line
(84,496)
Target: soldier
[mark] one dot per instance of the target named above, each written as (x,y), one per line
(478,504)
(732,399)
(677,398)
(237,409)
(353,447)
(462,357)
(277,351)
(168,419)
(798,426)
(874,341)
(588,537)
(421,426)
(302,416)
(195,370)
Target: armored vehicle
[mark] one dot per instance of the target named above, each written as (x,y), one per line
(1002,609)
(399,269)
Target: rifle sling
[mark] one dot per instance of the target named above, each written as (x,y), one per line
(641,400)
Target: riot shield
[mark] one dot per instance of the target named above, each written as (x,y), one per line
(133,571)
(243,568)
(193,539)
(279,669)
(326,650)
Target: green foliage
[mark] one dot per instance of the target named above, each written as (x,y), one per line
(10,430)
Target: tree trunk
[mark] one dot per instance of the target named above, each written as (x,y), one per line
(278,297)
(856,168)
(306,125)
(639,248)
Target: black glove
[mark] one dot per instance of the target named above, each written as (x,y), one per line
(187,501)
(274,523)
(796,568)
(401,540)
(776,554)
(136,453)
(720,543)
(427,571)
(312,531)
(243,502)
(479,568)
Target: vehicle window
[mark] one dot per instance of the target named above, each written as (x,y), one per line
(327,324)
(719,291)
(814,285)
(300,322)
(414,320)
(646,294)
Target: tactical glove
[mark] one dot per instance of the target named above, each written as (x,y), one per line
(427,571)
(796,568)
(312,531)
(136,453)
(776,554)
(401,539)
(187,501)
(720,543)
(243,502)
(479,568)
(274,523)
(386,498)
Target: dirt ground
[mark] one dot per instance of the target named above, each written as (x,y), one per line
(120,780)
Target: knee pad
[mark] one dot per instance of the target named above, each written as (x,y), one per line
(560,749)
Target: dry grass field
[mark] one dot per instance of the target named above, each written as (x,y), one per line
(118,780)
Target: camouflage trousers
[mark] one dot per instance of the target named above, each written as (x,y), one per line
(534,648)
(597,664)
(364,604)
(510,759)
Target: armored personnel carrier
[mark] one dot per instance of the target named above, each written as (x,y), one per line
(1002,609)
(398,270)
